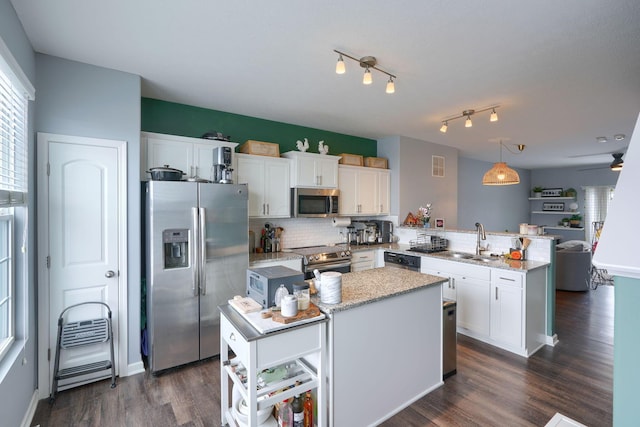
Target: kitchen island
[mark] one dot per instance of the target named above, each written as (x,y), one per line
(384,344)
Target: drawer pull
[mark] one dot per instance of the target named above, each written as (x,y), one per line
(232,336)
(507,278)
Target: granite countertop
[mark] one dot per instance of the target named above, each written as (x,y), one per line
(366,287)
(500,262)
(256,258)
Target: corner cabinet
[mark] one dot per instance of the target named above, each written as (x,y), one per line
(193,156)
(256,352)
(313,170)
(363,190)
(268,181)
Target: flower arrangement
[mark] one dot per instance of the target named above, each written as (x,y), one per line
(424,214)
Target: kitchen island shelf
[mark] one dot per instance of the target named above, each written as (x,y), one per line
(552,198)
(559,227)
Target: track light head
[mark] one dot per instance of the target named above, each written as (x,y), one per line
(391,87)
(494,116)
(444,127)
(340,68)
(367,79)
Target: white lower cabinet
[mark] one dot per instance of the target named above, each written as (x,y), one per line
(362,260)
(507,307)
(268,181)
(502,307)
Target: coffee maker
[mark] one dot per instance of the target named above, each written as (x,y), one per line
(385,231)
(221,170)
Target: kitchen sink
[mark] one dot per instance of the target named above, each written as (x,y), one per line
(459,255)
(483,259)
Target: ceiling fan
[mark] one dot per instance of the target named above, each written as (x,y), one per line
(616,164)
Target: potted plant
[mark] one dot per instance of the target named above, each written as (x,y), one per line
(570,192)
(564,222)
(574,221)
(537,191)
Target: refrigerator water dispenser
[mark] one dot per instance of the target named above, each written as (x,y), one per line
(176,248)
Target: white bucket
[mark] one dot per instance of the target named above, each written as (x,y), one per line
(524,228)
(331,287)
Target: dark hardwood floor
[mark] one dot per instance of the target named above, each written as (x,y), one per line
(492,387)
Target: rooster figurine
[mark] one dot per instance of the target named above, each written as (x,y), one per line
(322,149)
(302,146)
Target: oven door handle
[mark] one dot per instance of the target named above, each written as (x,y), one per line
(328,266)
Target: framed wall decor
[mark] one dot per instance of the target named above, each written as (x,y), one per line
(439,223)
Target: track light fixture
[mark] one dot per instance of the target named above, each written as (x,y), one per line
(368,63)
(468,113)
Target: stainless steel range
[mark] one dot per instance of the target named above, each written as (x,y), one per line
(324,258)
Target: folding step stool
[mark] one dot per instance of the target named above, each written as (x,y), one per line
(81,333)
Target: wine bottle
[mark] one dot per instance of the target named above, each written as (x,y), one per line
(298,412)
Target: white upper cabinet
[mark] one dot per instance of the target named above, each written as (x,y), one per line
(313,170)
(363,191)
(193,156)
(268,181)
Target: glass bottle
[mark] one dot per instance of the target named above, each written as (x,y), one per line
(281,292)
(298,412)
(308,410)
(301,291)
(285,414)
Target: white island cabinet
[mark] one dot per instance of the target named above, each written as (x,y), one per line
(384,344)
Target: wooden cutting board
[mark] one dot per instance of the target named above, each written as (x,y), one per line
(312,311)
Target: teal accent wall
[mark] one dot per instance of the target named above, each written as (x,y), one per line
(185,120)
(626,348)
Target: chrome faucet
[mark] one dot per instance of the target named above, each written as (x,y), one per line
(481,234)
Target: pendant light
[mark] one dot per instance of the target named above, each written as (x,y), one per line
(500,173)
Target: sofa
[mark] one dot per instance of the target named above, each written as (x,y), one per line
(573,266)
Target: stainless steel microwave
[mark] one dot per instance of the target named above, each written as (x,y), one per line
(314,202)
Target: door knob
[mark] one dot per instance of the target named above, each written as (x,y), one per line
(109,274)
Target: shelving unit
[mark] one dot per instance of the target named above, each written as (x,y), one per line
(560,213)
(257,352)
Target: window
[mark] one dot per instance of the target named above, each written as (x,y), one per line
(15,91)
(596,206)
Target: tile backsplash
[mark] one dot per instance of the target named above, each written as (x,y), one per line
(300,232)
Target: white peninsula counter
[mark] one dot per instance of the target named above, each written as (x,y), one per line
(384,344)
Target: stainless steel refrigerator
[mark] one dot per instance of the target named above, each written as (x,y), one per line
(196,259)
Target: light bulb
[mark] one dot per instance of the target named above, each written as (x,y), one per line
(340,68)
(367,79)
(494,116)
(391,87)
(501,176)
(444,127)
(467,123)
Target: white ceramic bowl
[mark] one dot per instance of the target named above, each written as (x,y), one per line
(242,412)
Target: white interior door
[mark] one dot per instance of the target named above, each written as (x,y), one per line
(85,240)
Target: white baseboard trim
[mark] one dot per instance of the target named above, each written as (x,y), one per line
(552,340)
(31,410)
(134,369)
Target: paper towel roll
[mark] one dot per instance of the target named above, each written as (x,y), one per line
(344,221)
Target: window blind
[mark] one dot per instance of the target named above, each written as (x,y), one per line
(596,205)
(13,143)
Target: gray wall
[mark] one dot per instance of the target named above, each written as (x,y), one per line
(84,100)
(18,380)
(413,186)
(499,207)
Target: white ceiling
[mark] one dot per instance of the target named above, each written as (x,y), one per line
(563,72)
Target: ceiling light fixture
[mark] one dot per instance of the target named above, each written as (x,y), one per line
(500,173)
(602,139)
(617,163)
(468,113)
(619,136)
(368,63)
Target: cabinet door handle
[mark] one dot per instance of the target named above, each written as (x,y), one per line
(453,282)
(507,278)
(267,208)
(496,292)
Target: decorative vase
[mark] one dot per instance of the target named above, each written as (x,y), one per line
(426,224)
